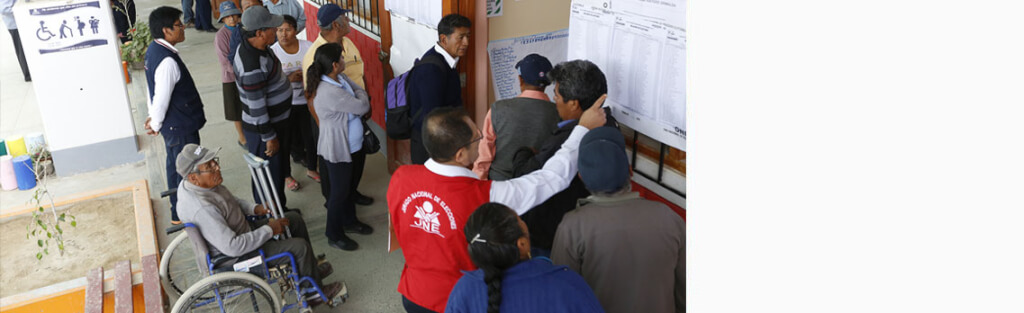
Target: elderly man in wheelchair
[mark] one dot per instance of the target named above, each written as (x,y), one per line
(221,221)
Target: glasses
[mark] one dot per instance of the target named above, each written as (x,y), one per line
(474,140)
(214,166)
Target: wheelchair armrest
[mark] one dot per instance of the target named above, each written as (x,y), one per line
(175,228)
(168,192)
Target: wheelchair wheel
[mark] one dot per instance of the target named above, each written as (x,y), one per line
(178,269)
(229,292)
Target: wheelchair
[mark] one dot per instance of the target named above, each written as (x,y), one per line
(236,284)
(199,282)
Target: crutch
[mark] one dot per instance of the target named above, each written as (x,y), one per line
(259,169)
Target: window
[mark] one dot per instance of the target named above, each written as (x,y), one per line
(365,13)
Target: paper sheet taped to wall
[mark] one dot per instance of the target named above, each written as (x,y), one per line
(426,12)
(505,53)
(640,45)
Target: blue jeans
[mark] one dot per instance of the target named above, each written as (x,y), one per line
(186,8)
(173,144)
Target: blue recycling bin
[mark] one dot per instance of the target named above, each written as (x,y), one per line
(24,172)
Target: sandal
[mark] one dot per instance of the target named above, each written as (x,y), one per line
(315,177)
(291,184)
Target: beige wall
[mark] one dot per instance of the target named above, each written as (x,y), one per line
(525,17)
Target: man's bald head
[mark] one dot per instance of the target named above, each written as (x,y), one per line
(445,131)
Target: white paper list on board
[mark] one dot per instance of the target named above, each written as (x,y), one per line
(504,54)
(641,48)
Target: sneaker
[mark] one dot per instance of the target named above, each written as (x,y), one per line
(359,228)
(190,24)
(344,243)
(361,199)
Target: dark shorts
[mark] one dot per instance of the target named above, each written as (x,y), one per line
(232,103)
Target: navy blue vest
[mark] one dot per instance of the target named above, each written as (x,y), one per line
(185,111)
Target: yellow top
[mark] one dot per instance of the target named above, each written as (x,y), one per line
(353,61)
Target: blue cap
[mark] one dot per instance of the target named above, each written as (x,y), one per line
(603,164)
(534,69)
(228,8)
(328,13)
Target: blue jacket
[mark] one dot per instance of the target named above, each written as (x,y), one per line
(531,286)
(185,112)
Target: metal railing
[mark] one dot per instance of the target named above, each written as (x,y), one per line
(658,177)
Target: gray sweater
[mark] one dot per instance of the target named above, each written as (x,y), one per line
(630,250)
(333,104)
(519,122)
(220,217)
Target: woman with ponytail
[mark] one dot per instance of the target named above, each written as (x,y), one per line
(338,104)
(508,279)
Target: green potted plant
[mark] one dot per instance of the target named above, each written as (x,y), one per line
(134,51)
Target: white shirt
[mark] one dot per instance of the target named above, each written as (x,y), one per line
(165,77)
(291,63)
(527,191)
(447,57)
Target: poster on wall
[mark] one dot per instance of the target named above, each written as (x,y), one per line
(641,47)
(505,53)
(426,12)
(68,27)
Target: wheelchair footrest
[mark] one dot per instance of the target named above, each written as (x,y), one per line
(341,297)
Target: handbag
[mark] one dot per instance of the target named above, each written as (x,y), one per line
(371,144)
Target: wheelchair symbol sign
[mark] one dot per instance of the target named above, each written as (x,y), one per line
(44,33)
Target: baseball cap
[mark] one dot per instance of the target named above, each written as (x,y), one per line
(191,156)
(534,69)
(228,8)
(328,13)
(257,17)
(602,163)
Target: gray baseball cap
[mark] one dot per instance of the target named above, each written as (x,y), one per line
(191,156)
(257,17)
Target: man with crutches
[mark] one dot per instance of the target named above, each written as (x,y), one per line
(221,217)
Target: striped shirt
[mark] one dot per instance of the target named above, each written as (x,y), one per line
(265,91)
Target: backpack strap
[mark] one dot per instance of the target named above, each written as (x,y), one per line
(436,60)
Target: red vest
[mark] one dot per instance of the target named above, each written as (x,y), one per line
(428,212)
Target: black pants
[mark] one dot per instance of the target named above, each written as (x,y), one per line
(414,308)
(21,55)
(303,146)
(173,145)
(341,211)
(279,167)
(417,153)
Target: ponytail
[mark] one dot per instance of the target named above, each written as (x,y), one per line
(323,63)
(492,231)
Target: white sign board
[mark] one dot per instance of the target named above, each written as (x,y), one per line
(505,53)
(640,45)
(494,8)
(72,49)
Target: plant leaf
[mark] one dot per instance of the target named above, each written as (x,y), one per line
(39,255)
(47,251)
(58,229)
(74,224)
(49,235)
(40,243)
(40,209)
